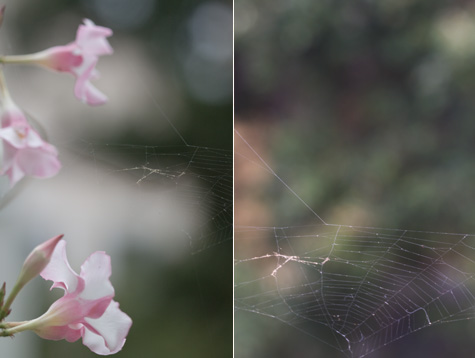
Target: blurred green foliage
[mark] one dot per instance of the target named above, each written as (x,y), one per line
(373,106)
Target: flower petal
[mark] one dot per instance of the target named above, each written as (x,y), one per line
(70,309)
(21,136)
(60,332)
(92,39)
(33,139)
(14,173)
(39,162)
(11,114)
(95,272)
(11,136)
(106,335)
(83,89)
(94,97)
(59,271)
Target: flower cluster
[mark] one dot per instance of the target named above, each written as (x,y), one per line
(87,308)
(25,152)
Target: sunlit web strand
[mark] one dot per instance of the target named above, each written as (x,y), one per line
(278,178)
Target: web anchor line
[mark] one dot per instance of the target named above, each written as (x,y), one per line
(279,178)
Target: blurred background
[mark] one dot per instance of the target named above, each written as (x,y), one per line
(146,177)
(364,108)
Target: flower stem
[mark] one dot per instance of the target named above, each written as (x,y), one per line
(5,310)
(18,59)
(38,58)
(17,327)
(6,325)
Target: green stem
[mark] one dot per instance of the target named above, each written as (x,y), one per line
(11,297)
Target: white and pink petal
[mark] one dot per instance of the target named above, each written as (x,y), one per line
(92,39)
(106,335)
(95,272)
(59,271)
(38,162)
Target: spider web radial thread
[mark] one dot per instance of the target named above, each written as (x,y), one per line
(366,286)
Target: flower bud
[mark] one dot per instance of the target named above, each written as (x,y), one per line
(37,260)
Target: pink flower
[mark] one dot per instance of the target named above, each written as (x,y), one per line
(78,58)
(87,308)
(24,152)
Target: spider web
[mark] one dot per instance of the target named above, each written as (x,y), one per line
(198,177)
(353,288)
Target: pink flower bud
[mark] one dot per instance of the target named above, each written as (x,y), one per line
(37,260)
